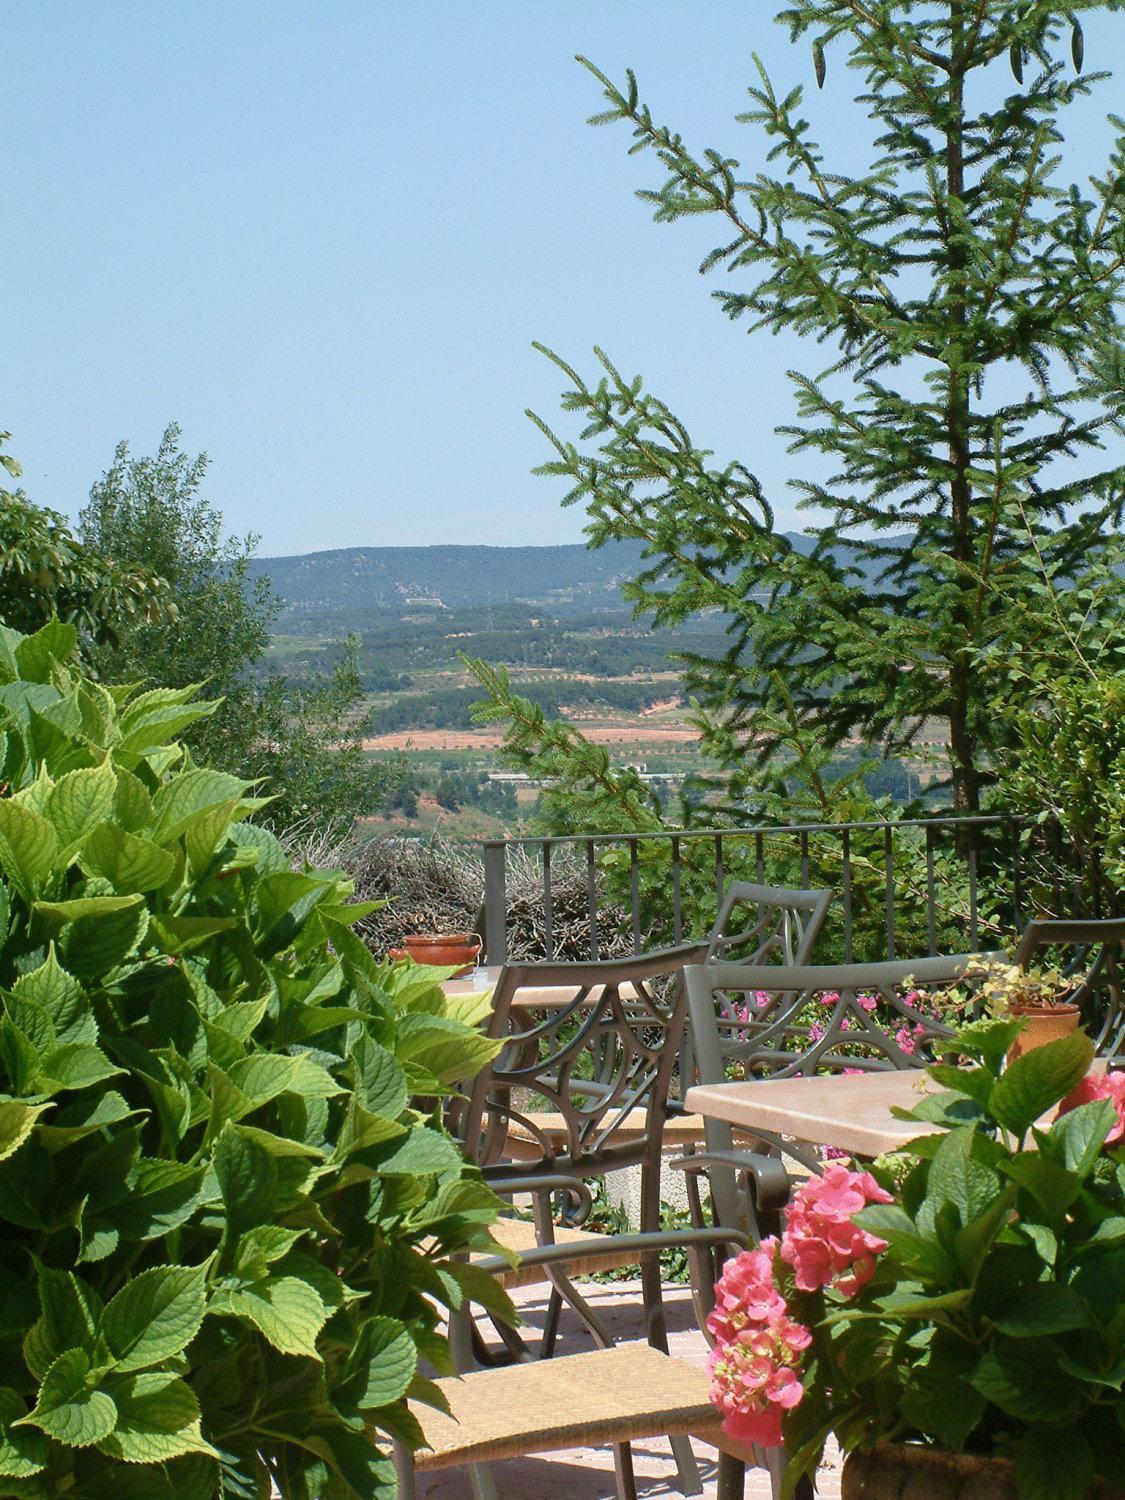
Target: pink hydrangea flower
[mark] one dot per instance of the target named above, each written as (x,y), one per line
(830,997)
(821,1242)
(1109,1086)
(904,1039)
(868,1002)
(762,998)
(754,1366)
(854,1072)
(816,1032)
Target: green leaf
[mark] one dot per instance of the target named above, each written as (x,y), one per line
(1037,1079)
(17,1120)
(957,1177)
(939,1398)
(989,1040)
(379,1367)
(423,1151)
(286,1310)
(1052,1186)
(130,863)
(76,1066)
(1052,1464)
(154,1316)
(69,1409)
(247,1175)
(79,801)
(29,848)
(158,1418)
(183,800)
(23,1451)
(62,997)
(1076,1138)
(379,1080)
(92,946)
(162,1196)
(1043,1308)
(70,1311)
(1023,1379)
(52,645)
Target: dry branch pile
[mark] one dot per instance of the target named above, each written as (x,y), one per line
(438,886)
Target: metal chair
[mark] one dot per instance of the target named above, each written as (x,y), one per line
(593,1061)
(744,1019)
(786,924)
(1099,953)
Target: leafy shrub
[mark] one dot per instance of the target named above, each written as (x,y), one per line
(224,1228)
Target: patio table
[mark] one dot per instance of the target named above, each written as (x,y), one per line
(852,1113)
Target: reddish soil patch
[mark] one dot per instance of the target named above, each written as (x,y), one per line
(489,739)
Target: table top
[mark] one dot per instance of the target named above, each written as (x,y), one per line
(852,1113)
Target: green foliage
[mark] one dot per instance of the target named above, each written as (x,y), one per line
(968,295)
(225,1228)
(45,571)
(993,1323)
(591,795)
(307,738)
(1071,761)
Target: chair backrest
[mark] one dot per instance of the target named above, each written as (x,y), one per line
(1098,946)
(781,926)
(772,1021)
(605,1047)
(783,1021)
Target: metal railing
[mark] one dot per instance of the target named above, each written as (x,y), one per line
(917,882)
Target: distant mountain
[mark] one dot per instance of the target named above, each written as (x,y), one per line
(358,578)
(353,580)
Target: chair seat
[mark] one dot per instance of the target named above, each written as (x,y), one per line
(519,1235)
(581,1400)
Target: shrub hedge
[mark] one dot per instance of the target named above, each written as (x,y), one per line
(225,1228)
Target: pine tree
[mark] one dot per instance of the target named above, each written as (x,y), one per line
(970,295)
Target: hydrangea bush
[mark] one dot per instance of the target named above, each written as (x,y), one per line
(967,1293)
(226,1228)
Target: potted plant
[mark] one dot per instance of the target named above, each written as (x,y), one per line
(441,950)
(1036,997)
(955,1316)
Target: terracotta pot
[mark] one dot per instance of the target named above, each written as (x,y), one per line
(442,950)
(1043,1024)
(904,1471)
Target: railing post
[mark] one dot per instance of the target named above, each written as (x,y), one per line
(495,901)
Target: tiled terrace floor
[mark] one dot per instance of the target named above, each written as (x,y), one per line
(587,1473)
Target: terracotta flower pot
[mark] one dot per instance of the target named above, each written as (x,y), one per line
(1043,1024)
(442,950)
(905,1471)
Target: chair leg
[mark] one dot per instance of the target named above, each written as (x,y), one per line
(404,1470)
(551,1324)
(623,1472)
(732,1478)
(687,1470)
(480,1479)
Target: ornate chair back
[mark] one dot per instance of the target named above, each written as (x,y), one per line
(1098,951)
(781,926)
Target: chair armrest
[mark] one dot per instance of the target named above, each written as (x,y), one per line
(664,1239)
(771,1180)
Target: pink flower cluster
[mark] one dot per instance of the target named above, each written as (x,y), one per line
(755,1364)
(1100,1086)
(821,1243)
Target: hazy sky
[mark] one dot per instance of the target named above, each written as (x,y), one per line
(322,236)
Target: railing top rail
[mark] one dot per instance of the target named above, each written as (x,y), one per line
(756,829)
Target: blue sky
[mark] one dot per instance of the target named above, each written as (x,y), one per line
(322,237)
